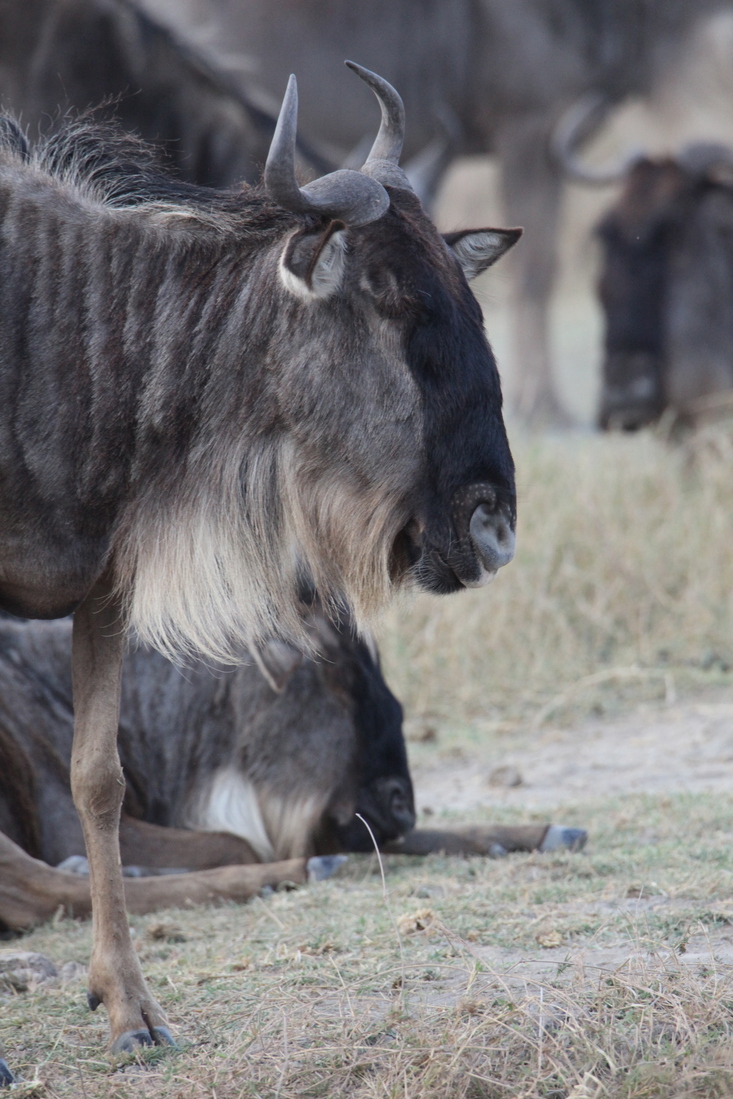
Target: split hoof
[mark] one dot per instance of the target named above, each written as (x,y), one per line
(133,1039)
(6,1076)
(75,864)
(558,838)
(321,867)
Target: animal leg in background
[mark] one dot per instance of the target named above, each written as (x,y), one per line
(97,784)
(143,844)
(489,840)
(532,193)
(32,892)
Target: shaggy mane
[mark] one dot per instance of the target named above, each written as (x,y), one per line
(119,170)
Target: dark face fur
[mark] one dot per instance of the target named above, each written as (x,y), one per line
(395,374)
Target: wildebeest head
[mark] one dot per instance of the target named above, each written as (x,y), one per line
(373,453)
(328,744)
(393,379)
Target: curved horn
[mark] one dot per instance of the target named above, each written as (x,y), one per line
(347,196)
(383,161)
(576,126)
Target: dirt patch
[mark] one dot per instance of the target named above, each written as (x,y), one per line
(685,748)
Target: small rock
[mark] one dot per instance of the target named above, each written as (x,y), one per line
(73,971)
(426,891)
(506,775)
(427,811)
(411,922)
(24,971)
(549,937)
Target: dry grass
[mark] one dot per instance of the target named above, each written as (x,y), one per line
(623,573)
(302,994)
(608,974)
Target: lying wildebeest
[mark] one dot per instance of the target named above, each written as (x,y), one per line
(281,755)
(268,762)
(208,396)
(666,287)
(503,70)
(57,55)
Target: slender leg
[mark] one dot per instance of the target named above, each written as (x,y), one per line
(152,845)
(470,841)
(492,839)
(532,188)
(31,891)
(97,784)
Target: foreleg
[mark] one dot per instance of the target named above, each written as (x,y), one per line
(97,784)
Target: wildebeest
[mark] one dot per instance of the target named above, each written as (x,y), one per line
(281,755)
(503,71)
(112,57)
(208,396)
(268,762)
(666,288)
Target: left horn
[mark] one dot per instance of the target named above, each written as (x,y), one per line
(351,197)
(383,162)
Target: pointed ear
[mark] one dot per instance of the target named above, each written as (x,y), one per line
(277,660)
(477,249)
(312,265)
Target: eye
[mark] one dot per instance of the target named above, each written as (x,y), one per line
(389,297)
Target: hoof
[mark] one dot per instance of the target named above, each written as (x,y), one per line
(557,838)
(6,1076)
(93,1001)
(321,867)
(75,864)
(133,1039)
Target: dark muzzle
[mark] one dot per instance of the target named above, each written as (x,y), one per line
(485,526)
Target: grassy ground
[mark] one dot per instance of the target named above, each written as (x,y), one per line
(623,574)
(565,976)
(604,974)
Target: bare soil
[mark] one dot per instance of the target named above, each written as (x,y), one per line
(679,748)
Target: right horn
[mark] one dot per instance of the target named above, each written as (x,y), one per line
(383,162)
(351,197)
(576,126)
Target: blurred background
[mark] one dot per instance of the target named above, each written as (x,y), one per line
(621,588)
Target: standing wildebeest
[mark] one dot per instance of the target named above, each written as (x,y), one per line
(666,287)
(205,397)
(503,70)
(57,55)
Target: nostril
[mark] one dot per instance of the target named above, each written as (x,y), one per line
(492,537)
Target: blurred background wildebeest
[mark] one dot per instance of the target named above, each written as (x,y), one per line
(113,57)
(501,73)
(667,289)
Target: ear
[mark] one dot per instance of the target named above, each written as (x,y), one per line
(477,249)
(312,265)
(277,660)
